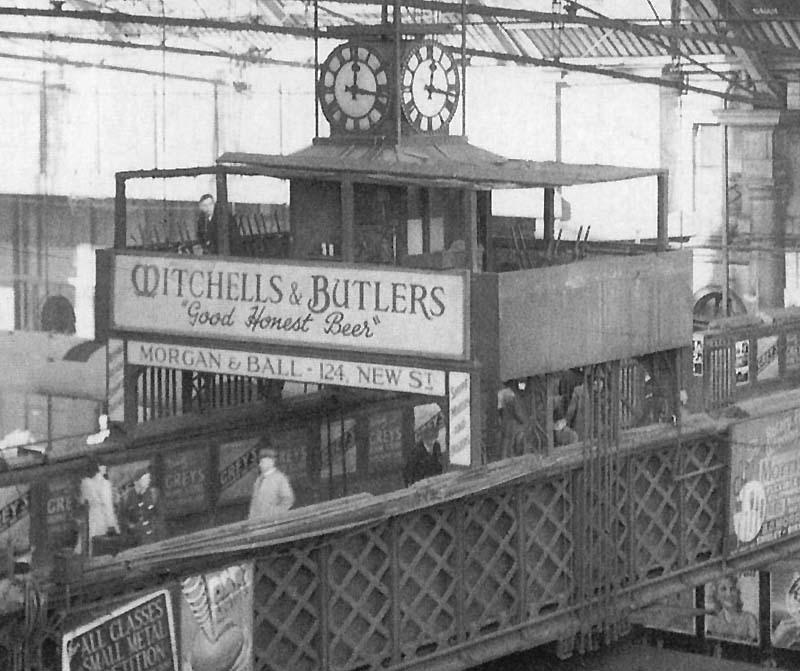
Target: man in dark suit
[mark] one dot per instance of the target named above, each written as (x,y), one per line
(206,233)
(425,459)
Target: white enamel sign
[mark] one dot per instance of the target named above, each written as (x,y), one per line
(283,367)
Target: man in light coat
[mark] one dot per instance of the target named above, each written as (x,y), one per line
(272,493)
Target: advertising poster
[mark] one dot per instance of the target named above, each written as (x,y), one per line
(784,623)
(460,425)
(61,511)
(675,613)
(217,620)
(238,470)
(15,518)
(185,485)
(767,361)
(292,447)
(139,635)
(793,351)
(765,478)
(338,447)
(697,354)
(772,9)
(742,364)
(732,607)
(385,440)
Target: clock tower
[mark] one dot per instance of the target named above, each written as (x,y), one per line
(368,88)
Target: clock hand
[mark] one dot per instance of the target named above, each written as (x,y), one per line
(356,68)
(431,89)
(357,91)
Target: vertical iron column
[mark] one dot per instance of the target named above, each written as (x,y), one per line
(398,111)
(223,215)
(120,215)
(316,68)
(470,213)
(549,214)
(725,249)
(662,242)
(463,67)
(348,217)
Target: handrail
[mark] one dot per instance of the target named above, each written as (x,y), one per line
(742,356)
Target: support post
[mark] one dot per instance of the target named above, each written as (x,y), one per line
(120,215)
(662,242)
(130,398)
(549,214)
(223,214)
(398,105)
(725,249)
(470,209)
(348,220)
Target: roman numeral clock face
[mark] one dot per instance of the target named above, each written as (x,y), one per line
(353,88)
(430,86)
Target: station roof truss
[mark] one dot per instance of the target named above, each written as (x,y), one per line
(741,50)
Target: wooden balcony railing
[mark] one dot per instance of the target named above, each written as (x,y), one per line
(252,233)
(166,392)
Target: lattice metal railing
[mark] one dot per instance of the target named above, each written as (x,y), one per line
(427,565)
(429,580)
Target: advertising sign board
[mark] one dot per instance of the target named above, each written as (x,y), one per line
(765,478)
(139,635)
(323,305)
(304,370)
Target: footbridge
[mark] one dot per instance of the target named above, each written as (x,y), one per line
(454,571)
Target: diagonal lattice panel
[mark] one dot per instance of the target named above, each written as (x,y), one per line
(286,598)
(621,523)
(428,572)
(359,603)
(490,561)
(702,499)
(547,509)
(655,513)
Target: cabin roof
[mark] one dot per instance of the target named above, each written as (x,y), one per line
(446,162)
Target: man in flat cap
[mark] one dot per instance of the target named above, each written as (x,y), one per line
(272,493)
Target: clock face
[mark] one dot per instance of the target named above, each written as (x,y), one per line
(353,88)
(430,86)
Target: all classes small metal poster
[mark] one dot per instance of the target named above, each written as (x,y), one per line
(139,636)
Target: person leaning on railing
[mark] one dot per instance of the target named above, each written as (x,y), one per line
(206,230)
